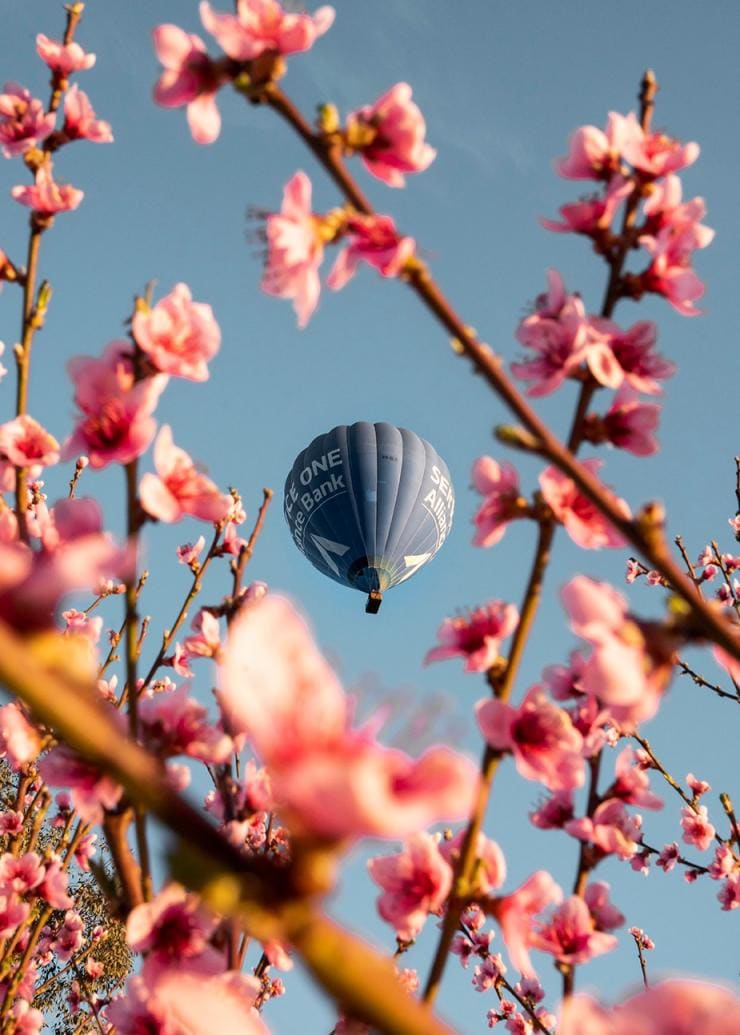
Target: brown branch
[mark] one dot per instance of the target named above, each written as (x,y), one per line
(245,554)
(701,681)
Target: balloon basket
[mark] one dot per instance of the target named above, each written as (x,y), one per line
(374,600)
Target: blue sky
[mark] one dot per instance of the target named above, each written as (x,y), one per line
(501,85)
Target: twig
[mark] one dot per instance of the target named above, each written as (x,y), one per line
(701,681)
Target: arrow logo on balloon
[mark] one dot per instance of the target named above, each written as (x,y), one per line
(327,546)
(414,561)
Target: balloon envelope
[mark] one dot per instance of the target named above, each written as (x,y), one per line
(369,504)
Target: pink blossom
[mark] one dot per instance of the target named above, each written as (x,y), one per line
(173,925)
(564,681)
(192,996)
(631,662)
(729,894)
(179,488)
(295,250)
(389,135)
(415,883)
(655,154)
(46,197)
(670,273)
(676,1007)
(664,208)
(116,423)
(374,240)
(488,973)
(20,874)
(189,78)
(697,786)
(477,637)
(80,122)
(560,332)
(206,643)
(20,742)
(178,335)
(189,553)
(540,735)
(70,936)
(27,1020)
(697,830)
(90,790)
(54,886)
(12,913)
(11,822)
(175,724)
(263,25)
(23,121)
(334,781)
(642,939)
(632,784)
(583,522)
(612,829)
(25,443)
(63,58)
(554,812)
(668,857)
(628,424)
(634,351)
(592,216)
(516,911)
(490,868)
(723,864)
(499,483)
(570,934)
(596,155)
(604,913)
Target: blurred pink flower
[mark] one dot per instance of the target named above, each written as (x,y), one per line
(295,250)
(178,335)
(499,484)
(596,155)
(25,443)
(676,1007)
(477,636)
(583,522)
(540,735)
(632,783)
(374,240)
(189,78)
(490,868)
(656,154)
(46,197)
(179,488)
(670,273)
(415,883)
(628,424)
(570,934)
(20,741)
(116,423)
(554,812)
(173,926)
(604,913)
(592,216)
(63,58)
(515,913)
(12,914)
(20,874)
(90,790)
(206,641)
(263,25)
(24,122)
(612,829)
(631,662)
(396,131)
(80,122)
(333,781)
(175,724)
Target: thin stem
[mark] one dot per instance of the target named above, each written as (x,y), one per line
(489,764)
(245,554)
(701,681)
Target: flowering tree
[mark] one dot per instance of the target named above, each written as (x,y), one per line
(96,741)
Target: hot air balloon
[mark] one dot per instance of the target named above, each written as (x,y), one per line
(369,505)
